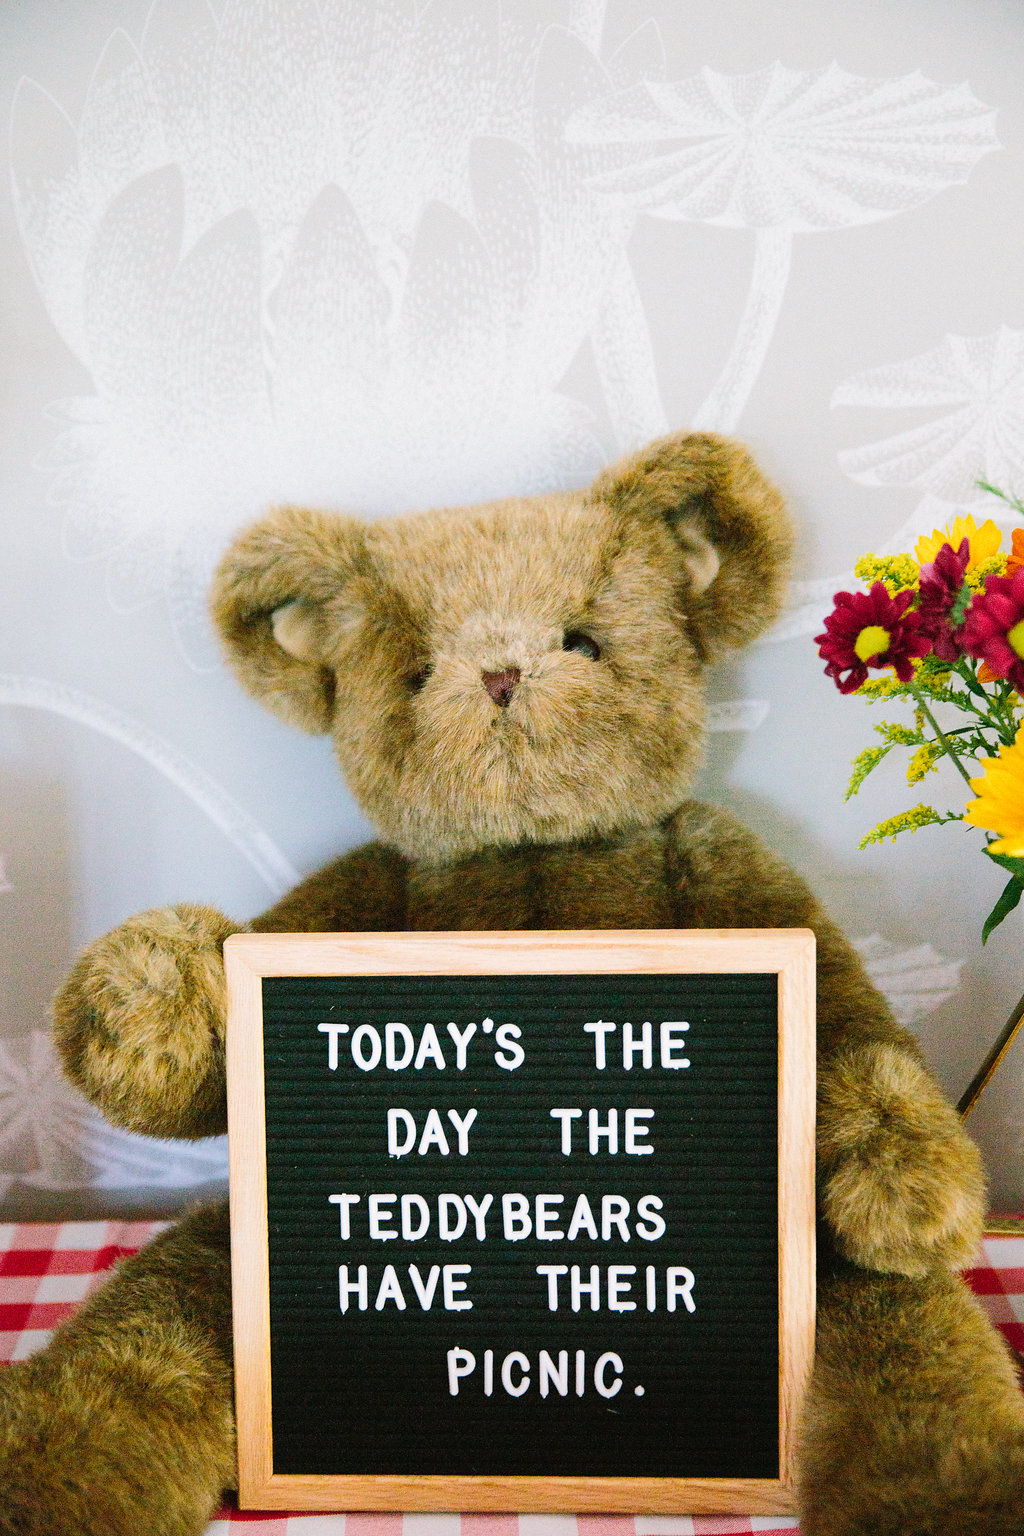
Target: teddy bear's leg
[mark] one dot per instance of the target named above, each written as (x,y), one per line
(124,1424)
(915,1422)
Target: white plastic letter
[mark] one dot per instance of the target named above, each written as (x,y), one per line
(363,1062)
(449,1285)
(450,1227)
(644,1046)
(430,1049)
(552,1271)
(510,1055)
(344,1204)
(462,1037)
(543,1216)
(546,1372)
(433,1134)
(425,1289)
(635,1133)
(610,1131)
(672,1042)
(620,1287)
(479,1209)
(679,1282)
(578,1289)
(614,1210)
(515,1215)
(409,1203)
(567,1116)
(389,1290)
(332,1031)
(397,1118)
(462,1124)
(346,1288)
(460,1364)
(515,1358)
(379,1212)
(599,1029)
(651,1226)
(599,1369)
(582,1220)
(392,1060)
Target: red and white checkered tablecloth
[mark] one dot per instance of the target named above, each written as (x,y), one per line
(47,1269)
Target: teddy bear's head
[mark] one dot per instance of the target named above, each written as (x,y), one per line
(528,670)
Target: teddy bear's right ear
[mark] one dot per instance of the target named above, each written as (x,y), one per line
(730,525)
(284,588)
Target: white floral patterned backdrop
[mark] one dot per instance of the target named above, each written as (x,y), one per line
(382,254)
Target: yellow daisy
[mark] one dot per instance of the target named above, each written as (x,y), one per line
(984,541)
(1000,803)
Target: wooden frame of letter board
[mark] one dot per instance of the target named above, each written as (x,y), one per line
(249,957)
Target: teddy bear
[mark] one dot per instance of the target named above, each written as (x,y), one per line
(516,696)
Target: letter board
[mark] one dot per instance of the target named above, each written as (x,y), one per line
(521,1221)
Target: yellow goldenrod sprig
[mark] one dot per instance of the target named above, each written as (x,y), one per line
(876,688)
(862,765)
(924,761)
(895,572)
(975,575)
(906,821)
(893,735)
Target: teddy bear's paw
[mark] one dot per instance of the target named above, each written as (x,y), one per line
(903,1186)
(140,1022)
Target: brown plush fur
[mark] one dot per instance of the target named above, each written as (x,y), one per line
(562,806)
(125,1424)
(387,628)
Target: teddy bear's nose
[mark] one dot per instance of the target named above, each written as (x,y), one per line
(502,685)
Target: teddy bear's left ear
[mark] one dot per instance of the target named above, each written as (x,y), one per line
(731,525)
(285,587)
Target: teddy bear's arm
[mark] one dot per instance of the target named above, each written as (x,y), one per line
(140,1022)
(900,1183)
(362,892)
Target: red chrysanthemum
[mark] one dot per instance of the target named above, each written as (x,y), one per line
(994,627)
(943,599)
(870,629)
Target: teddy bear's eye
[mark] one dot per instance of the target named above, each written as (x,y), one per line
(576,640)
(416,681)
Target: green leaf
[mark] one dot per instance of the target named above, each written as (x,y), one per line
(1014,866)
(1011,500)
(1012,893)
(960,607)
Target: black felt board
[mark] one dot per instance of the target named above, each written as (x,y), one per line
(368,1391)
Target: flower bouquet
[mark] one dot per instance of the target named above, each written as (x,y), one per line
(945,629)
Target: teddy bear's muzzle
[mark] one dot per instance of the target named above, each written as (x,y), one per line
(502,685)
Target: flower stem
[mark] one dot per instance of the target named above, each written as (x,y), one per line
(1005,711)
(973,1092)
(940,734)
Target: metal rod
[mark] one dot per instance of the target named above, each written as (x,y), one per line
(980,1080)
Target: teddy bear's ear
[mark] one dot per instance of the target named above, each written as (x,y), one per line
(731,525)
(283,590)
